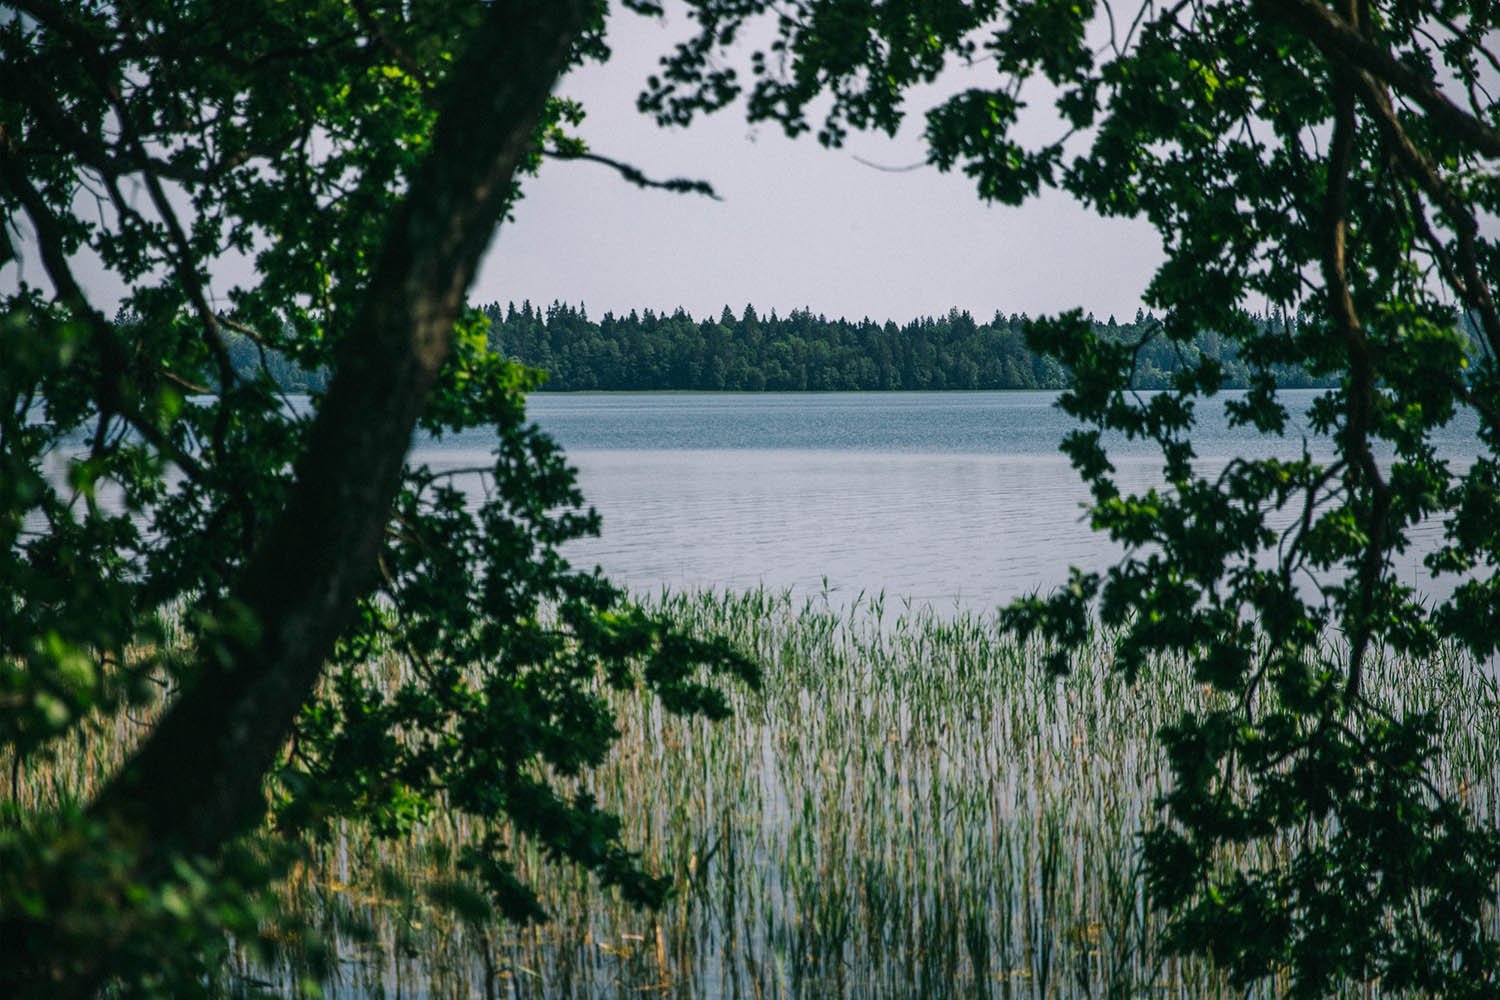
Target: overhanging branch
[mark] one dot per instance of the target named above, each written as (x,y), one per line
(1344,44)
(635,176)
(1474,290)
(197,780)
(113,390)
(1360,397)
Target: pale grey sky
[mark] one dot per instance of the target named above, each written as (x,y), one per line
(799,225)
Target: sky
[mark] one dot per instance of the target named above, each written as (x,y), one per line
(799,226)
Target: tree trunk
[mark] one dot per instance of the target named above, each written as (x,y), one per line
(197,781)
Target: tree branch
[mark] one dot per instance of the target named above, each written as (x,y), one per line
(635,176)
(1346,46)
(1474,290)
(113,388)
(1361,392)
(403,59)
(99,70)
(197,780)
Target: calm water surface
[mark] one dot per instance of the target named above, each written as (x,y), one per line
(947,498)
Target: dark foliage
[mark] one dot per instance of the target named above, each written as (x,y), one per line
(183,551)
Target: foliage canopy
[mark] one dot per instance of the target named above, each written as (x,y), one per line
(1333,161)
(171,524)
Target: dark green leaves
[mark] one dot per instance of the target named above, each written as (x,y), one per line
(148,460)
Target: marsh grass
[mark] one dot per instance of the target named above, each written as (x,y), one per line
(910,807)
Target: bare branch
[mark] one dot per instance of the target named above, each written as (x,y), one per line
(634,174)
(908,168)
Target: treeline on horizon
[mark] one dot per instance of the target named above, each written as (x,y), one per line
(801,352)
(647,351)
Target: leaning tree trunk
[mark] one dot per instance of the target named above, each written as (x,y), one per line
(197,781)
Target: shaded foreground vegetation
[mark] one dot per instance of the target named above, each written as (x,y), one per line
(370,151)
(909,807)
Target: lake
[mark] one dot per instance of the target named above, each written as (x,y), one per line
(953,499)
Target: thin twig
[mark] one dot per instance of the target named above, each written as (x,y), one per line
(634,175)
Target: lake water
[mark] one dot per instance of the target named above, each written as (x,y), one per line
(954,499)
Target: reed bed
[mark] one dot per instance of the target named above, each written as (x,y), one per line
(910,807)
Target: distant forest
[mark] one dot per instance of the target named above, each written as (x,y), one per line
(802,351)
(798,352)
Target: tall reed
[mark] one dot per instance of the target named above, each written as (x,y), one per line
(910,807)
